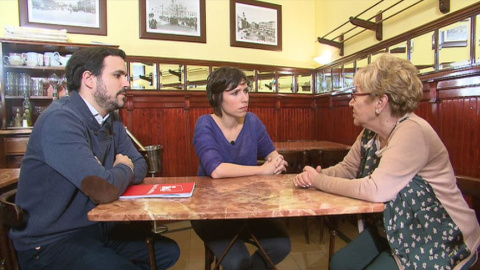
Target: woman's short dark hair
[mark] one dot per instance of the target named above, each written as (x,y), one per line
(223,79)
(90,59)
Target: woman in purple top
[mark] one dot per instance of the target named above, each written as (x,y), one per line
(228,144)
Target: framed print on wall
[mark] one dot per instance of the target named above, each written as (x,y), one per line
(255,24)
(179,20)
(78,17)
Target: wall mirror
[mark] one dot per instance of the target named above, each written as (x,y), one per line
(143,76)
(349,70)
(423,52)
(326,81)
(286,82)
(171,77)
(266,81)
(362,62)
(337,78)
(251,78)
(377,54)
(400,50)
(321,82)
(304,83)
(454,45)
(197,77)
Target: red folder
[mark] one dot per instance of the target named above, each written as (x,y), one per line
(175,190)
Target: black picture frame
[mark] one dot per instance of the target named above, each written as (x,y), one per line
(256,25)
(88,20)
(189,26)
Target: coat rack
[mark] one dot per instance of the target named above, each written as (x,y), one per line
(376,26)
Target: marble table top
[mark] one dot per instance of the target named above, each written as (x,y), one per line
(309,145)
(9,177)
(262,196)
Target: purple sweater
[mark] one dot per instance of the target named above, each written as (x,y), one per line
(213,148)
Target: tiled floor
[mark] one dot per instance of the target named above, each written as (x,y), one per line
(303,256)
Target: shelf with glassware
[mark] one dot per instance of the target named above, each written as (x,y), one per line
(34,76)
(29,91)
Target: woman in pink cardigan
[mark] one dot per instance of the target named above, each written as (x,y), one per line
(399,159)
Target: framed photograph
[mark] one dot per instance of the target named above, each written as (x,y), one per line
(179,20)
(255,24)
(78,17)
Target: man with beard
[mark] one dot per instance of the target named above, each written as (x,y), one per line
(78,156)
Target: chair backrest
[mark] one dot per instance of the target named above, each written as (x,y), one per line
(295,159)
(333,156)
(314,158)
(11,216)
(470,187)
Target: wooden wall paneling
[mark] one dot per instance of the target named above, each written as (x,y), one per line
(470,165)
(459,118)
(265,106)
(296,124)
(323,124)
(459,121)
(427,110)
(345,130)
(323,118)
(295,118)
(268,116)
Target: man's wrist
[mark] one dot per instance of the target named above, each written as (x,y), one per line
(130,166)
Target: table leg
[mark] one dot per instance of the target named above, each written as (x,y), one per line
(261,249)
(217,264)
(255,240)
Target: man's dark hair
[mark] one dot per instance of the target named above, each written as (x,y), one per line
(90,59)
(223,79)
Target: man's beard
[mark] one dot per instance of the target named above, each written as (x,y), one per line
(108,103)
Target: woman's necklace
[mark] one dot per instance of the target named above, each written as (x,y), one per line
(384,142)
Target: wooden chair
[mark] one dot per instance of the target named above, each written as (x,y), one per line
(209,258)
(296,160)
(470,188)
(11,216)
(332,157)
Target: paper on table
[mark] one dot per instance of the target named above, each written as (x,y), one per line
(174,190)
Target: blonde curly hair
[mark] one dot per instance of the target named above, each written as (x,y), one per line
(395,77)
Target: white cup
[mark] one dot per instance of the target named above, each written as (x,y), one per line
(13,59)
(51,59)
(40,59)
(30,58)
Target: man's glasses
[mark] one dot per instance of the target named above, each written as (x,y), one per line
(355,94)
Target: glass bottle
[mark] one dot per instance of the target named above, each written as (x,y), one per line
(17,121)
(27,108)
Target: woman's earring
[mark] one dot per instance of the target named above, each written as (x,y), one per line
(377,113)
